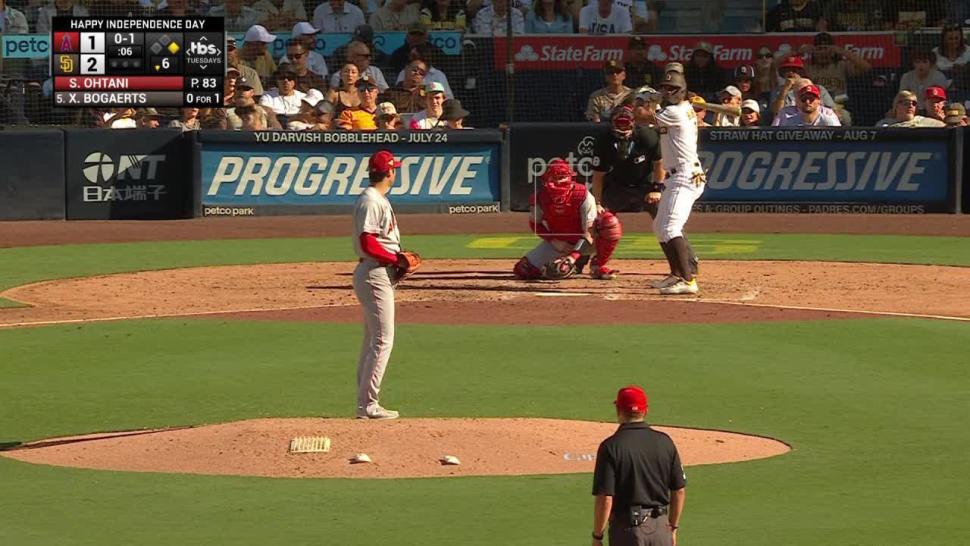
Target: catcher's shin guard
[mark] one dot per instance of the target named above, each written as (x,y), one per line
(607,234)
(524,270)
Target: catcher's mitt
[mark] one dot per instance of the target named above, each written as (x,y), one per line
(560,268)
(407,263)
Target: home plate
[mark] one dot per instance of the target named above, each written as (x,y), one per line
(560,294)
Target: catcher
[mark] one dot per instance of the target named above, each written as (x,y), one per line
(382,264)
(563,213)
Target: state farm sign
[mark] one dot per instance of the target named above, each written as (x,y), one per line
(569,51)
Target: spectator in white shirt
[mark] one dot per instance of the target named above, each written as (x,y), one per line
(604,17)
(337,16)
(952,53)
(903,113)
(359,54)
(492,20)
(58,7)
(808,113)
(306,34)
(430,117)
(284,99)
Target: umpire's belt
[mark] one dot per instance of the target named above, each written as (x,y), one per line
(652,511)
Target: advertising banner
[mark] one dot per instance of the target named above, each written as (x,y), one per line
(828,170)
(126,174)
(568,51)
(778,170)
(32,179)
(245,174)
(25,46)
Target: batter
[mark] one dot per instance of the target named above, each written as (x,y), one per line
(377,242)
(677,125)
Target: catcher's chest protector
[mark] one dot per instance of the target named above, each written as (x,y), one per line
(561,204)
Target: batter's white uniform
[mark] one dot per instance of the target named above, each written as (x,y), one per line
(677,124)
(545,252)
(374,288)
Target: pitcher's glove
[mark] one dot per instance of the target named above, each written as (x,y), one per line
(560,268)
(407,263)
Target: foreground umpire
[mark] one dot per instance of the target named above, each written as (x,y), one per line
(638,481)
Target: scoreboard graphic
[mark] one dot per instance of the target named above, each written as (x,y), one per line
(138,62)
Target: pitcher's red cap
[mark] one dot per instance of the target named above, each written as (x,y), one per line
(382,162)
(631,399)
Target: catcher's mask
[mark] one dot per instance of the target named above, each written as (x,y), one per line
(673,88)
(558,172)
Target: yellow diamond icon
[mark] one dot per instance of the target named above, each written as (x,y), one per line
(157,68)
(173,47)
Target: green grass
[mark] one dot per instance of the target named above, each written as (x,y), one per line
(876,410)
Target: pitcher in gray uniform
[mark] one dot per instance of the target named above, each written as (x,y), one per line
(377,242)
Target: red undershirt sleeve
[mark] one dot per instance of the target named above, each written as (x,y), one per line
(372,247)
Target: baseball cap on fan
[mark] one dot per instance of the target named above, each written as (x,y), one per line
(935,93)
(304,28)
(810,90)
(382,161)
(258,33)
(752,105)
(631,399)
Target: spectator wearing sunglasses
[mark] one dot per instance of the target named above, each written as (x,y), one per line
(764,71)
(408,96)
(809,112)
(306,34)
(306,79)
(284,99)
(364,116)
(425,54)
(904,114)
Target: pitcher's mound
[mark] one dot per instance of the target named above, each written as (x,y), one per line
(404,448)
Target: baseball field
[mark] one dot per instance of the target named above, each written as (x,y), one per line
(844,339)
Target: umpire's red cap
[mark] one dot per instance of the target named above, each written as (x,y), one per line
(382,162)
(631,399)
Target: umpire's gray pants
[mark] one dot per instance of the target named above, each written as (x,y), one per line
(652,532)
(374,290)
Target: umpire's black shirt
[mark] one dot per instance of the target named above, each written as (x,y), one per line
(628,162)
(637,466)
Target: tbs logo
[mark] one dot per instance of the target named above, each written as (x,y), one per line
(203,48)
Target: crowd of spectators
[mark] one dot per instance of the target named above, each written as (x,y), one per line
(404,79)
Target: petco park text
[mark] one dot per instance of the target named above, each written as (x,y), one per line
(342,175)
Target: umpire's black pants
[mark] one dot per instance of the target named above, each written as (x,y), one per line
(652,532)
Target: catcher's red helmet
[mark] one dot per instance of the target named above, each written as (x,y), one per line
(558,172)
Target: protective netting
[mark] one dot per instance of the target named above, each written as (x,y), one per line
(550,77)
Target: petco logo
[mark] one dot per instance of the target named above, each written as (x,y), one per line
(100,168)
(581,161)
